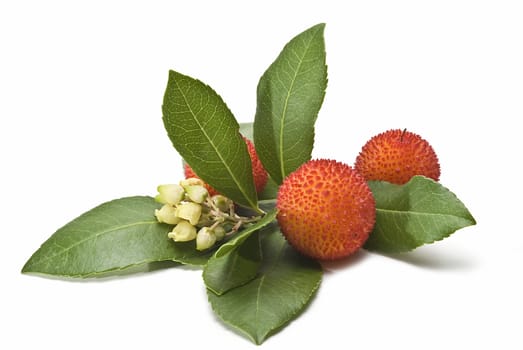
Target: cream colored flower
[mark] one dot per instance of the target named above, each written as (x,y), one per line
(183,232)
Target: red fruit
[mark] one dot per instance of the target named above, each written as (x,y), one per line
(258,171)
(396,156)
(325,209)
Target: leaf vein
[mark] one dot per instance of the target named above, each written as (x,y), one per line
(211,142)
(68,249)
(286,104)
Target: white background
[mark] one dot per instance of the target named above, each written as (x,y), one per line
(81,87)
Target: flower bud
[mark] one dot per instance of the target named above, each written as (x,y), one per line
(221,202)
(196,193)
(170,194)
(167,214)
(190,212)
(206,219)
(192,181)
(219,232)
(205,238)
(183,232)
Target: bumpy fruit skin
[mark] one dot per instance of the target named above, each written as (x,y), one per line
(325,209)
(396,156)
(258,171)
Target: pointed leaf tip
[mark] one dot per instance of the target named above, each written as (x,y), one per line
(113,236)
(282,289)
(289,96)
(422,211)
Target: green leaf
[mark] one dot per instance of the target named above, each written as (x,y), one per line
(290,94)
(206,134)
(113,236)
(280,292)
(236,268)
(241,236)
(407,216)
(237,261)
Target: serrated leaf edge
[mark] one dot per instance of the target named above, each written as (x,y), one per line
(284,112)
(258,339)
(419,244)
(66,249)
(469,218)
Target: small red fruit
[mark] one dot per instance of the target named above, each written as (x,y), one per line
(258,171)
(325,209)
(396,156)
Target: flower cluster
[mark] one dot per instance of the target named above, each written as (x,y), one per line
(197,215)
